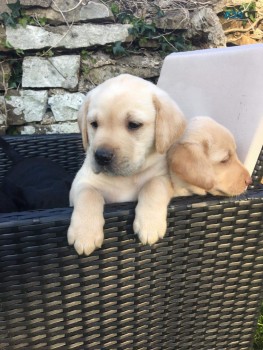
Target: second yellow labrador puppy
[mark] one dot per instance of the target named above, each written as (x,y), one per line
(127,126)
(204,160)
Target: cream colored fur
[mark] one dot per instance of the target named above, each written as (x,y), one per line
(138,170)
(204,161)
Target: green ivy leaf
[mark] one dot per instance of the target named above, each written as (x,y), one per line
(8,45)
(8,20)
(125,17)
(42,21)
(115,9)
(15,9)
(20,52)
(12,85)
(118,49)
(23,21)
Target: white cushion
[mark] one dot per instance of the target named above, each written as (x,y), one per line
(225,84)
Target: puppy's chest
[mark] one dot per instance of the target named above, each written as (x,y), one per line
(118,193)
(125,189)
(121,189)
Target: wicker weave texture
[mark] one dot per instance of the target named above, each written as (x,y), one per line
(198,288)
(66,150)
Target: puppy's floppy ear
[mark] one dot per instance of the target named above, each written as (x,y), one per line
(190,162)
(82,121)
(169,124)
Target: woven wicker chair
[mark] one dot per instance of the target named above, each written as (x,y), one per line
(198,288)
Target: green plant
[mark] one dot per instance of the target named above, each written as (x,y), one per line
(85,70)
(84,54)
(24,20)
(87,60)
(249,10)
(87,55)
(18,16)
(11,19)
(141,29)
(145,33)
(244,12)
(18,51)
(118,49)
(45,53)
(115,9)
(12,130)
(8,45)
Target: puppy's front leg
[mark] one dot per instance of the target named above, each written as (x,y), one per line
(87,221)
(151,211)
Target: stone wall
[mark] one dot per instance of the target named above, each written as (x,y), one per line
(54,51)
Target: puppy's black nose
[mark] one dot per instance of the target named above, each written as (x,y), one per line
(103,156)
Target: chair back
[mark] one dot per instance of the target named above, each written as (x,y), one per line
(225,84)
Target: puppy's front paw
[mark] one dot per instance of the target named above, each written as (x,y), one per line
(84,235)
(150,228)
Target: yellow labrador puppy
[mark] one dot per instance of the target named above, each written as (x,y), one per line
(127,126)
(204,160)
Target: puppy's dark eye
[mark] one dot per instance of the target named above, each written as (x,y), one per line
(94,124)
(134,125)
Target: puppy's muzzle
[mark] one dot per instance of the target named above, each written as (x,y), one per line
(103,156)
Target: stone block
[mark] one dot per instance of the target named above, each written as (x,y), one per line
(4,7)
(84,35)
(23,3)
(86,11)
(26,106)
(59,71)
(63,128)
(206,27)
(40,3)
(98,67)
(172,20)
(66,106)
(27,130)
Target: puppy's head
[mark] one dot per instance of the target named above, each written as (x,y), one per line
(125,122)
(205,160)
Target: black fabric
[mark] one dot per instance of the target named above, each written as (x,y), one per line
(34,181)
